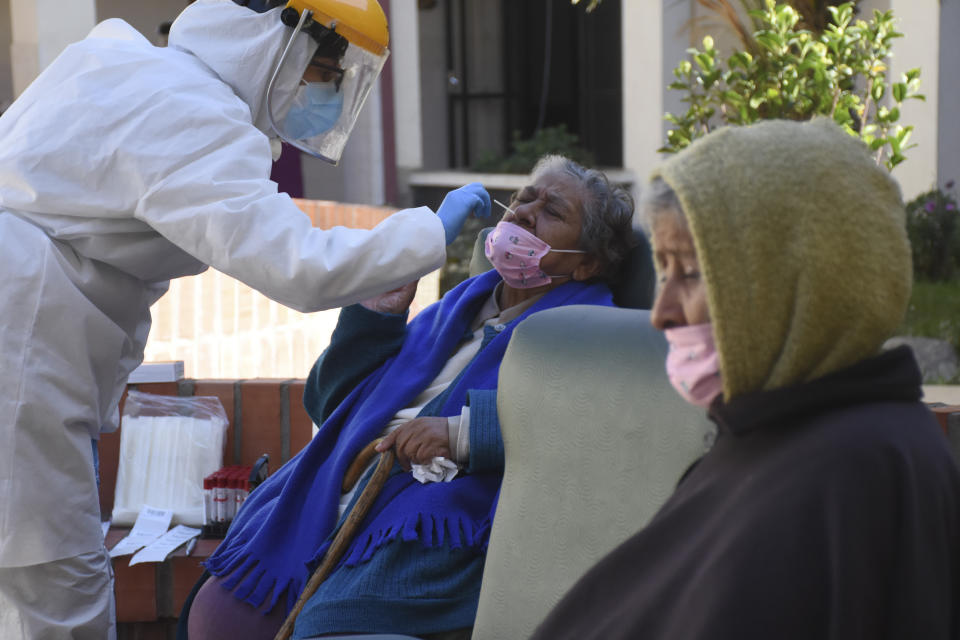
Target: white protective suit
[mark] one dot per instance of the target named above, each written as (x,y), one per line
(122,166)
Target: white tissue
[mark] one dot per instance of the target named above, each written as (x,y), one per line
(439,470)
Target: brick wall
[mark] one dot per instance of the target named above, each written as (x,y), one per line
(222,328)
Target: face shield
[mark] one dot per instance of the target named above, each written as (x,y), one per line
(319,114)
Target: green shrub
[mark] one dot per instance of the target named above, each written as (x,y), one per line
(934,312)
(527,151)
(792,73)
(934,232)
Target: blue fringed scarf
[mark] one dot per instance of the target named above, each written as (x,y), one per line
(284,525)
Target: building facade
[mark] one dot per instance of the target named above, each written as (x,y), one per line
(466,76)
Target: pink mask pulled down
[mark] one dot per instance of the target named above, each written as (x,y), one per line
(693,364)
(515,253)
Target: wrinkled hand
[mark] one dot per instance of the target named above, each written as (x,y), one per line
(460,203)
(418,441)
(395,301)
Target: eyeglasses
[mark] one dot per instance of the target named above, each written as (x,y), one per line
(323,72)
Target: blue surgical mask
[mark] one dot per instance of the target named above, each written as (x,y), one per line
(316,108)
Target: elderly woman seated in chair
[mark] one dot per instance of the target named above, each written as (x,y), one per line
(829,505)
(429,389)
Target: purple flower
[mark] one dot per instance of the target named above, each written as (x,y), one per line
(930,206)
(951,206)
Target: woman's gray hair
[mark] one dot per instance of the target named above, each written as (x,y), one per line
(606,233)
(659,200)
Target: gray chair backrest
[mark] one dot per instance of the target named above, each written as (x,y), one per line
(633,286)
(595,441)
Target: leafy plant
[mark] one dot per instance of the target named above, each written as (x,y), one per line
(934,230)
(793,73)
(527,151)
(934,312)
(593,4)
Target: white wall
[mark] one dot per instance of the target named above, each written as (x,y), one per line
(405,52)
(433,87)
(145,17)
(6,75)
(643,85)
(38,30)
(920,47)
(37,39)
(949,93)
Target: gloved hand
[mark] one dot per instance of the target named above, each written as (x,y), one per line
(460,203)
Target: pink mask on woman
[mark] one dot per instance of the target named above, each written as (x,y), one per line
(693,364)
(515,253)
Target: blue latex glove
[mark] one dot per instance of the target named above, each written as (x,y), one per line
(460,203)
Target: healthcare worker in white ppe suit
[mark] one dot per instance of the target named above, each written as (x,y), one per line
(125,165)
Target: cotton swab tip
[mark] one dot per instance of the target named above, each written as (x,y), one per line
(504,206)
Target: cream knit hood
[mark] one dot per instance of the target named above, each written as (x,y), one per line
(802,244)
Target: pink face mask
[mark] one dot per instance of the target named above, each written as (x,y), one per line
(515,253)
(693,364)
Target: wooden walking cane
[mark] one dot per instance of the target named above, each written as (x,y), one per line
(350,525)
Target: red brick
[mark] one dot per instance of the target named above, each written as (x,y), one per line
(109,451)
(157,630)
(260,421)
(135,590)
(160,388)
(326,215)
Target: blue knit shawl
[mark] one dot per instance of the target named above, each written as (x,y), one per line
(284,526)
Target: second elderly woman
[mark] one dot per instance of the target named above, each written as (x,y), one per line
(829,506)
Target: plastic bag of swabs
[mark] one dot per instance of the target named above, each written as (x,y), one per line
(168,444)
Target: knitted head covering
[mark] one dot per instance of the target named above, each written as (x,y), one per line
(802,244)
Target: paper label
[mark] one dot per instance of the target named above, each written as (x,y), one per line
(158,550)
(151,524)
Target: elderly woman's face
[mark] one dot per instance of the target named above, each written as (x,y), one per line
(551,209)
(681,292)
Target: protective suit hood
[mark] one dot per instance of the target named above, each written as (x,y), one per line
(124,165)
(802,244)
(243,48)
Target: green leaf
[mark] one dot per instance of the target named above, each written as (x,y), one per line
(899,91)
(769,41)
(895,145)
